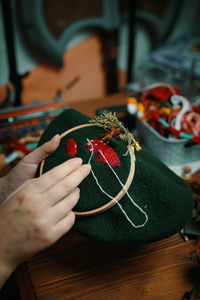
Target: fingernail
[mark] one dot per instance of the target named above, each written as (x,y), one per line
(55,137)
(78,160)
(87,168)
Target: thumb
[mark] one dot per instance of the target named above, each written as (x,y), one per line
(27,167)
(43,151)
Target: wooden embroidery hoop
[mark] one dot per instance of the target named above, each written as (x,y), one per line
(118,196)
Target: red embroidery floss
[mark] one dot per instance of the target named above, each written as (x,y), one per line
(107,151)
(71,148)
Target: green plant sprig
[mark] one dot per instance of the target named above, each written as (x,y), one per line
(108,120)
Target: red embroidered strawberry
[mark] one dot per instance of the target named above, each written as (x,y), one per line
(71,148)
(108,152)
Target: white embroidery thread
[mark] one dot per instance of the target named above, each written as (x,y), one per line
(119,205)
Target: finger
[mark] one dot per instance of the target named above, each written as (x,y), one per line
(68,184)
(27,167)
(55,175)
(43,151)
(62,208)
(64,225)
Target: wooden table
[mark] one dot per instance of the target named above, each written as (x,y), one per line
(79,268)
(90,106)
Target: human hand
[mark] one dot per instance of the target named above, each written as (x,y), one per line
(38,213)
(26,168)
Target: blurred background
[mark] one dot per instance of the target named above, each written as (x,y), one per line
(102,45)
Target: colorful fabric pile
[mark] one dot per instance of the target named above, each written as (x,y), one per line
(168,112)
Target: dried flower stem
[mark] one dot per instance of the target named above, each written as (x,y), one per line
(108,120)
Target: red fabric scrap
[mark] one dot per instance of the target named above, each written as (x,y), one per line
(196,139)
(163,93)
(154,114)
(174,131)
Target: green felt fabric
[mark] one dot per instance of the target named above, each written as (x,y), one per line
(163,195)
